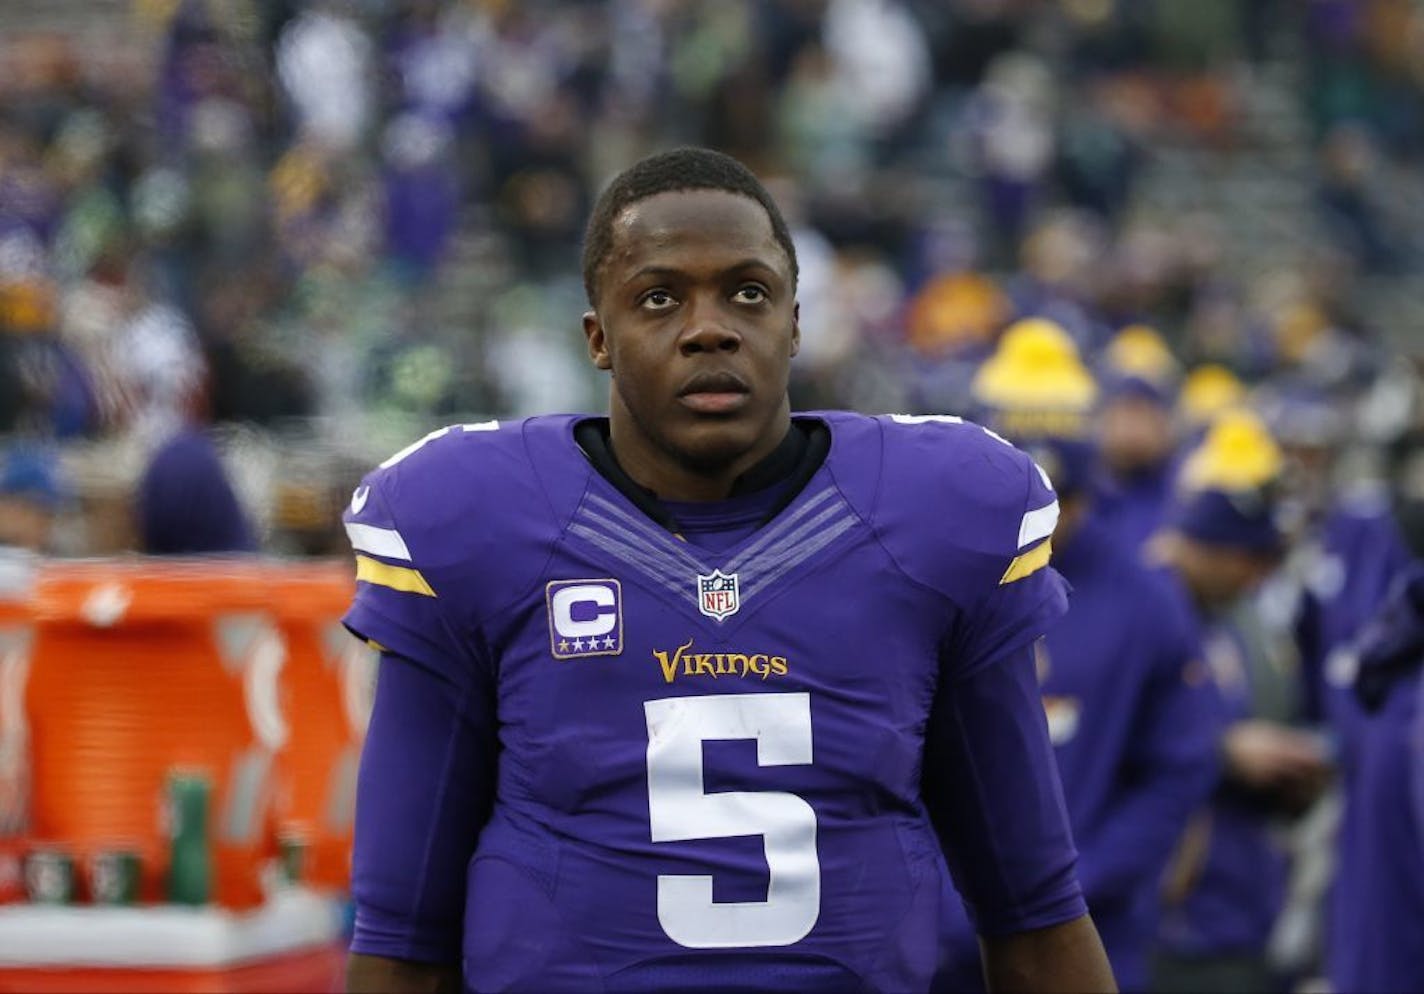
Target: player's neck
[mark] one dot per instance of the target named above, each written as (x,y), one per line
(674,479)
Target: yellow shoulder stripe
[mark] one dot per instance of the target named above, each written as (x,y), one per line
(401,578)
(1029,563)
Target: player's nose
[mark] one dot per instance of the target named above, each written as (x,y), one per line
(707,330)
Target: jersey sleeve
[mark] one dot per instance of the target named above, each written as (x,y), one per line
(1020,595)
(990,780)
(964,513)
(397,606)
(429,761)
(424,792)
(992,790)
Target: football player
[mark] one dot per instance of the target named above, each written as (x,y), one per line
(1351,551)
(700,695)
(1368,616)
(1226,886)
(1132,712)
(1377,929)
(1137,434)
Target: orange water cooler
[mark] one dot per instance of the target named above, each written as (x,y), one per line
(119,678)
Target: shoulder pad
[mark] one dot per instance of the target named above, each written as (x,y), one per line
(449,516)
(960,508)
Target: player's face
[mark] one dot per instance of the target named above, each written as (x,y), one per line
(1136,434)
(696,320)
(1310,468)
(1219,576)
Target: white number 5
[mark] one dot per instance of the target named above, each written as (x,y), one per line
(679,810)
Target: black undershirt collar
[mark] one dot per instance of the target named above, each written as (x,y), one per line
(794,461)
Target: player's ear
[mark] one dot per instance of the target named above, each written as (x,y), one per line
(795,327)
(597,340)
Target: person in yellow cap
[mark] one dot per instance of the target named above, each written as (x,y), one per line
(1131,713)
(1139,440)
(1226,887)
(1208,390)
(1225,532)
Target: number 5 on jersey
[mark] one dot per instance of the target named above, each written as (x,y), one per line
(680,810)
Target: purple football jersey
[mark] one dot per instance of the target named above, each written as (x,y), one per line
(1135,723)
(1376,940)
(1228,896)
(673,767)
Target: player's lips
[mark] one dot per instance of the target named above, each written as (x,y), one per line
(715,393)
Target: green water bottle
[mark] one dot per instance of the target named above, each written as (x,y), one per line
(190,856)
(49,876)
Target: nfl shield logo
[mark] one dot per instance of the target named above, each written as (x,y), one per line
(718,595)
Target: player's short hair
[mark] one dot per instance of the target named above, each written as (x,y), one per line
(668,172)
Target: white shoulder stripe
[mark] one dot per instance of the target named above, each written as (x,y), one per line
(1043,475)
(920,419)
(384,542)
(1038,525)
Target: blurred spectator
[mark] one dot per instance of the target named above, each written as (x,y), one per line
(881,62)
(1097,156)
(435,54)
(422,193)
(252,379)
(184,503)
(1377,940)
(1349,554)
(1011,119)
(52,394)
(348,205)
(1359,224)
(1227,884)
(1131,710)
(103,479)
(1058,274)
(325,62)
(1207,391)
(956,312)
(186,506)
(819,142)
(30,497)
(1406,467)
(1137,432)
(951,326)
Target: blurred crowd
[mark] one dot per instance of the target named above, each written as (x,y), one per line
(1235,694)
(252,246)
(305,230)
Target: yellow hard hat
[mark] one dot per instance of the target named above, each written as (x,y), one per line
(1140,351)
(1237,454)
(1207,391)
(1036,366)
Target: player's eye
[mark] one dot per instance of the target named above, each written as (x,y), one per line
(656,300)
(752,293)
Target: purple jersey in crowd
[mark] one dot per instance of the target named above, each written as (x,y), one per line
(1135,721)
(1227,884)
(1375,930)
(1136,507)
(1377,926)
(1360,554)
(643,765)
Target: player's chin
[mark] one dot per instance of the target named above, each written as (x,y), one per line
(713,440)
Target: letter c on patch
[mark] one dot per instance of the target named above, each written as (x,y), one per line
(601,600)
